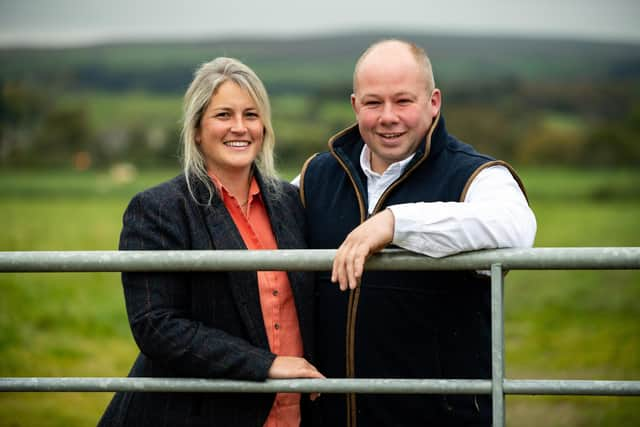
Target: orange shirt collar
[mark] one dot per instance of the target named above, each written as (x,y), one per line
(254,188)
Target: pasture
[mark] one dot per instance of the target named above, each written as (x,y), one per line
(559,324)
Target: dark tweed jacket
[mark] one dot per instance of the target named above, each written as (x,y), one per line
(206,325)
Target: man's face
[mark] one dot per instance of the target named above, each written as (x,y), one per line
(392,105)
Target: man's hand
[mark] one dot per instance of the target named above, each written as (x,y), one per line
(365,240)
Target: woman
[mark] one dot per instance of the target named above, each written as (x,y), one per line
(237,325)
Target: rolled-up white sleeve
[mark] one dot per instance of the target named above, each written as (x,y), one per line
(494,214)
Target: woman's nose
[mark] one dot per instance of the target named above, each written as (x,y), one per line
(238,125)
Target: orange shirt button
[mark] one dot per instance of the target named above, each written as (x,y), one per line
(275,293)
(277,326)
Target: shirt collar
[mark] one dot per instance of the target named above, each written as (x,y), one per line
(393,169)
(254,188)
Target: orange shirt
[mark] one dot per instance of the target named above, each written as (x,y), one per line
(276,298)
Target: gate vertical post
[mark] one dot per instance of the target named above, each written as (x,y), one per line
(497,345)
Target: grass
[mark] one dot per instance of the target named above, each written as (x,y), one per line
(559,324)
(592,185)
(66,324)
(576,324)
(105,108)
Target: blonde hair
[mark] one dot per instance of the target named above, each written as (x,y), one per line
(421,57)
(207,79)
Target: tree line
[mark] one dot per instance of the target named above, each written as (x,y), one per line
(526,101)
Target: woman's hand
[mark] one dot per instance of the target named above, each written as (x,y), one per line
(294,367)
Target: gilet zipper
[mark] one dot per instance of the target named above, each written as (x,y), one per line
(354,294)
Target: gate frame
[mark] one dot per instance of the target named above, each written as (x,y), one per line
(498,261)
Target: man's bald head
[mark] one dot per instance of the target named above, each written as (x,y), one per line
(387,50)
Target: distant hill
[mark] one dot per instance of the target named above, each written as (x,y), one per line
(317,63)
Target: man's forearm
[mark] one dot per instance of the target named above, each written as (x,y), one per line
(495,214)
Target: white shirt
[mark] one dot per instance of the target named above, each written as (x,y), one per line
(376,183)
(494,213)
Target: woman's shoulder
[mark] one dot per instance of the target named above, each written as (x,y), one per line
(288,188)
(280,194)
(177,184)
(159,218)
(286,191)
(167,192)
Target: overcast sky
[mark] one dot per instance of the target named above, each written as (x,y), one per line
(79,22)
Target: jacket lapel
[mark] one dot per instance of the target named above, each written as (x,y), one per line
(243,284)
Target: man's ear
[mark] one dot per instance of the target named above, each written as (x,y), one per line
(353,103)
(435,102)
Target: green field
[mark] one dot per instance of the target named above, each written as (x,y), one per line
(559,324)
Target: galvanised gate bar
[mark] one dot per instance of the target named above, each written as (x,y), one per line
(497,261)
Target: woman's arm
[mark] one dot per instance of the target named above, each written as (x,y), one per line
(159,304)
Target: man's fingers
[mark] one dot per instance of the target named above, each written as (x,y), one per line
(355,264)
(369,237)
(337,265)
(339,273)
(348,264)
(334,269)
(350,279)
(358,268)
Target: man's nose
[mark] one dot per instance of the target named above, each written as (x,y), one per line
(388,114)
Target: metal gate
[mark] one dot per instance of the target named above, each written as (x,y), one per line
(497,261)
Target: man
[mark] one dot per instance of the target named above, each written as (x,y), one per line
(398,177)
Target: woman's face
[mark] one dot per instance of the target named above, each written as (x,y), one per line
(231,131)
